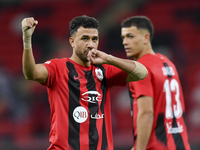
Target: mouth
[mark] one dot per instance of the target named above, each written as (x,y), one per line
(86,52)
(127,49)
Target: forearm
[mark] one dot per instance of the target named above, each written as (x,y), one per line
(144,128)
(124,64)
(136,70)
(28,62)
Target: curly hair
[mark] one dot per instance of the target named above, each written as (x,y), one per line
(84,21)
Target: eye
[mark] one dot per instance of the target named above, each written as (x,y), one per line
(94,39)
(130,36)
(84,38)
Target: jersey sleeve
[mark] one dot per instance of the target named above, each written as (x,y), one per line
(52,67)
(142,87)
(115,76)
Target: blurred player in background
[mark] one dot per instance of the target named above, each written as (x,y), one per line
(157,103)
(79,87)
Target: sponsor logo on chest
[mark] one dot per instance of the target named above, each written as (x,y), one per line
(80,115)
(91,96)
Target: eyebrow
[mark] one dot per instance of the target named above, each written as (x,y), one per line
(128,34)
(87,36)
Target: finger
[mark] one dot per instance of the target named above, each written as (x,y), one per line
(94,51)
(89,56)
(30,22)
(35,22)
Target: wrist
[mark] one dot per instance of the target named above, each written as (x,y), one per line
(109,59)
(27,42)
(27,45)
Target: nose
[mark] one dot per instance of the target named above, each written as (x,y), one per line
(124,42)
(90,44)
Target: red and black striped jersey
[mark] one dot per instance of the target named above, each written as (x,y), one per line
(169,130)
(79,99)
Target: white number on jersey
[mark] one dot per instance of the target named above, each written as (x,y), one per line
(169,87)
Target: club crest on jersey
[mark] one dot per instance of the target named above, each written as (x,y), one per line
(80,114)
(99,74)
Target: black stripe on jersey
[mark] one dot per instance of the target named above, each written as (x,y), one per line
(74,96)
(132,100)
(169,74)
(177,138)
(93,108)
(103,89)
(160,129)
(104,144)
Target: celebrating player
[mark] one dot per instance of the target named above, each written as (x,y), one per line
(79,86)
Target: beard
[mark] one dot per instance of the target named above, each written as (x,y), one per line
(83,55)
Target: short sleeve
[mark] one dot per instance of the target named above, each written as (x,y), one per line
(115,76)
(51,66)
(142,87)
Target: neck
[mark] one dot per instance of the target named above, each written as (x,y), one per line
(79,61)
(147,50)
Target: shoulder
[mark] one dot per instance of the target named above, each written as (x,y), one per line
(165,59)
(148,60)
(56,61)
(153,62)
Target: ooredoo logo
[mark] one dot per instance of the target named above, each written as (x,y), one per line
(91,96)
(80,114)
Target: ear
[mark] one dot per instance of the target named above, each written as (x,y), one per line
(71,41)
(146,38)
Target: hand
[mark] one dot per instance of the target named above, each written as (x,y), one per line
(97,57)
(28,26)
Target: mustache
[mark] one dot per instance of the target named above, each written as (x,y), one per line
(88,49)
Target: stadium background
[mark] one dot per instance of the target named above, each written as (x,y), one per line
(24,107)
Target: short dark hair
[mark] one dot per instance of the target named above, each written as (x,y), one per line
(84,21)
(141,22)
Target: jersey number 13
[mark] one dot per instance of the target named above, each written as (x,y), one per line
(176,110)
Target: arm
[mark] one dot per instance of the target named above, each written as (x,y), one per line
(136,71)
(144,121)
(32,71)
